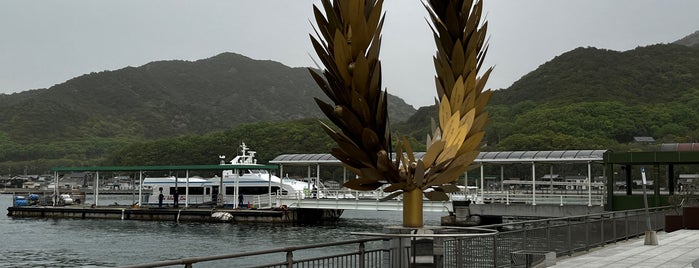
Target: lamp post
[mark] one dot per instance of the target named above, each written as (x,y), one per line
(651,238)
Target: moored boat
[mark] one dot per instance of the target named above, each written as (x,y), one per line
(235,187)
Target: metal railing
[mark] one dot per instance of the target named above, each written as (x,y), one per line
(564,236)
(467,247)
(368,252)
(546,199)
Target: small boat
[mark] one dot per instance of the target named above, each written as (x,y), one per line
(247,186)
(42,200)
(65,200)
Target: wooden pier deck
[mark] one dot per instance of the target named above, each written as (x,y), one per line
(169,214)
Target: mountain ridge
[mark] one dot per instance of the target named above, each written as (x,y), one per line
(591,74)
(168,98)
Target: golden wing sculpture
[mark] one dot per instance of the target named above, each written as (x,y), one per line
(347,41)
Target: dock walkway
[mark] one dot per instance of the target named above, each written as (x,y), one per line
(676,249)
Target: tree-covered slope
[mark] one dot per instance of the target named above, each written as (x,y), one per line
(591,98)
(691,40)
(652,74)
(166,98)
(86,119)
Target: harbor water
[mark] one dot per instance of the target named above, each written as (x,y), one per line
(48,242)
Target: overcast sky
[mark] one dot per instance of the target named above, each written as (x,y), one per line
(43,43)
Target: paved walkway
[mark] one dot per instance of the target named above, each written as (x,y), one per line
(676,249)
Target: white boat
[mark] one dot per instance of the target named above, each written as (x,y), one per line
(251,183)
(65,199)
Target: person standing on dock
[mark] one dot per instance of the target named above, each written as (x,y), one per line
(176,196)
(241,198)
(160,198)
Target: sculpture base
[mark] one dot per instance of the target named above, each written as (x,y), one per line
(651,239)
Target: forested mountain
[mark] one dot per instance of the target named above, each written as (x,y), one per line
(591,98)
(86,118)
(691,40)
(586,98)
(166,98)
(652,74)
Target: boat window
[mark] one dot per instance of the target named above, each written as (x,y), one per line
(257,171)
(251,190)
(192,190)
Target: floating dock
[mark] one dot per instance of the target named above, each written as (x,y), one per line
(284,216)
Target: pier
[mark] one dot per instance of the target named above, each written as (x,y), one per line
(289,216)
(612,239)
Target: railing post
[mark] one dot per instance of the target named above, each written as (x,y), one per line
(361,254)
(601,227)
(638,222)
(459,253)
(495,250)
(289,259)
(614,227)
(587,233)
(626,225)
(601,201)
(548,235)
(570,242)
(524,234)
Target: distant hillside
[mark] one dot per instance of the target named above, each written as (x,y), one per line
(652,74)
(587,98)
(167,98)
(590,98)
(691,40)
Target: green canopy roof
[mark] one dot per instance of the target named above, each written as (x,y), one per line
(152,168)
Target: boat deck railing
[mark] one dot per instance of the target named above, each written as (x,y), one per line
(499,248)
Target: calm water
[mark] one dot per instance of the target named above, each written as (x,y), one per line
(36,242)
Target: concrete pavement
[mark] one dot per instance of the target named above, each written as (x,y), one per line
(676,249)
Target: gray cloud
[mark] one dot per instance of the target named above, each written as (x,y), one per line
(43,43)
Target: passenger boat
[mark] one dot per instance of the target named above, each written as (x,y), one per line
(239,189)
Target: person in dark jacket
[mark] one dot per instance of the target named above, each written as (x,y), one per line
(176,197)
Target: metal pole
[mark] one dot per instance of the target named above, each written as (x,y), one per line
(219,196)
(318,181)
(133,191)
(236,192)
(361,254)
(604,177)
(482,184)
(140,187)
(466,191)
(97,188)
(186,189)
(466,179)
(645,198)
(502,178)
(533,184)
(589,184)
(55,189)
(551,179)
(281,171)
(309,182)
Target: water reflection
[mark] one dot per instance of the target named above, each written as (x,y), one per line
(36,242)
